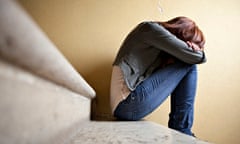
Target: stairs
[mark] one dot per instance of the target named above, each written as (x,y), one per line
(140,132)
(44,100)
(35,110)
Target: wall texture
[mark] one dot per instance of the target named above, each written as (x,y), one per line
(89,34)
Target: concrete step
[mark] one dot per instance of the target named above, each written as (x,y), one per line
(140,132)
(35,110)
(22,42)
(42,97)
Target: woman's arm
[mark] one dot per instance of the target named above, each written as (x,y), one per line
(159,37)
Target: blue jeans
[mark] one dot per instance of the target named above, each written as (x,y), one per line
(178,80)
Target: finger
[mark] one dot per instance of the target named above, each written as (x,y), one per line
(189,44)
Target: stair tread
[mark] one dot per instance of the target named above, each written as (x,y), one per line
(137,132)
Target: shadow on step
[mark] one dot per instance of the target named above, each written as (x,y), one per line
(99,78)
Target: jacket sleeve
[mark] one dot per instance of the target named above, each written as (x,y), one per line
(156,35)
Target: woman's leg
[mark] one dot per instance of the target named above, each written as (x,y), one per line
(182,103)
(152,92)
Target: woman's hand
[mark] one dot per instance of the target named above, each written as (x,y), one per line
(194,46)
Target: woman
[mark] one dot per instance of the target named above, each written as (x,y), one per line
(158,59)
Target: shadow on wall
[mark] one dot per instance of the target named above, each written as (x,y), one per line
(99,78)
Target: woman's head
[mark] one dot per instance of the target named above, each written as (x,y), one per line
(185,29)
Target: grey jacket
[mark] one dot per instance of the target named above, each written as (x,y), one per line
(139,54)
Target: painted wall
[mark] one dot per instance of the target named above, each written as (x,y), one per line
(89,34)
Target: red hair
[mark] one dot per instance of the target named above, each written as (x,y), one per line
(185,29)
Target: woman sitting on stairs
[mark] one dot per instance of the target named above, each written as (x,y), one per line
(158,59)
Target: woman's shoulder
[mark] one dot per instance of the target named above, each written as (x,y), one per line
(146,26)
(146,23)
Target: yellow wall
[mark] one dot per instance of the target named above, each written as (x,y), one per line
(89,33)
